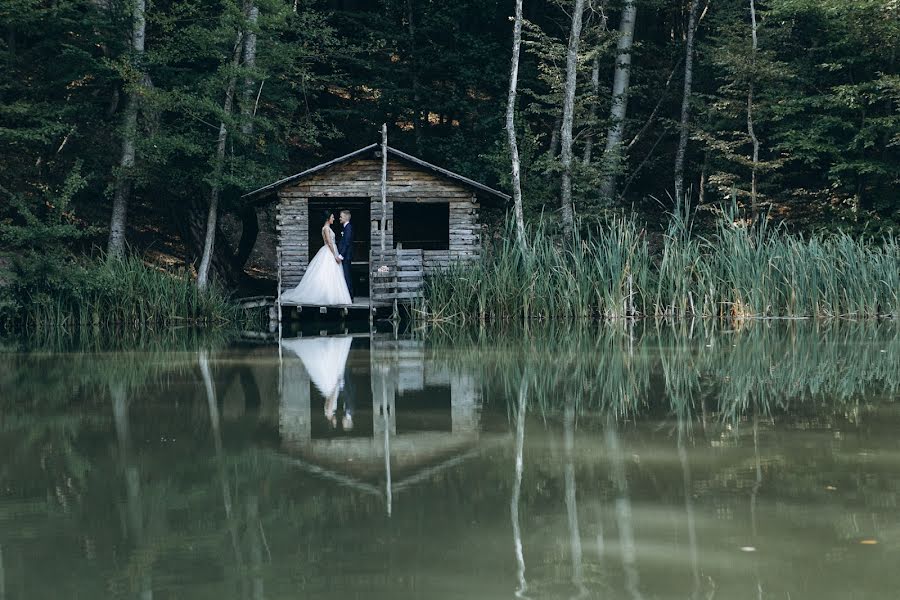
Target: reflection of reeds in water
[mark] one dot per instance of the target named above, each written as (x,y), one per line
(49,373)
(608,272)
(166,340)
(772,367)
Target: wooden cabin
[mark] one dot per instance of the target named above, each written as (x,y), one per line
(431,219)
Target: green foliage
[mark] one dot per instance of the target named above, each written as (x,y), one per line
(826,107)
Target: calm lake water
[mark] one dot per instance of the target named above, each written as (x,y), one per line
(650,461)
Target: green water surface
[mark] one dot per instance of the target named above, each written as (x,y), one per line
(625,461)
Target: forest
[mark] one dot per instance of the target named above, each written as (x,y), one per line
(132,128)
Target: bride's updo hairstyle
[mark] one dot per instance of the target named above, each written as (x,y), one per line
(326,214)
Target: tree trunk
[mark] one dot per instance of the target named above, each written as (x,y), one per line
(213,215)
(249,234)
(511,130)
(612,154)
(754,200)
(701,192)
(247,111)
(595,90)
(685,103)
(568,213)
(554,137)
(116,244)
(652,117)
(225,264)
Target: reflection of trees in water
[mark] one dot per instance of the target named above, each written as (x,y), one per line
(571,503)
(133,499)
(215,426)
(754,373)
(624,524)
(521,409)
(56,429)
(775,367)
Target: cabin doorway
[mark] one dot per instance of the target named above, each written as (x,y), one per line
(359,216)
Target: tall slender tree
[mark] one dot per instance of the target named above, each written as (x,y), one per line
(511,129)
(595,89)
(754,199)
(568,211)
(251,12)
(212,217)
(684,126)
(124,178)
(612,154)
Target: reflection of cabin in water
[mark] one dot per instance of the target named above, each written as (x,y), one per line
(431,219)
(397,450)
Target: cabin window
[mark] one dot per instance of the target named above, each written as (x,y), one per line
(426,409)
(422,226)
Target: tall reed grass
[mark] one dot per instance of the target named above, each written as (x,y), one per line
(113,294)
(738,271)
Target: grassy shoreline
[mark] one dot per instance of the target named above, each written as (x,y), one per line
(739,271)
(114,294)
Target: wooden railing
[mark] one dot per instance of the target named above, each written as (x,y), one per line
(396,275)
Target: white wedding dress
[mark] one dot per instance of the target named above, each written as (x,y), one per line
(325,359)
(323,283)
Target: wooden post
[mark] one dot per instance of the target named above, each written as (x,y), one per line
(384,153)
(278,301)
(395,316)
(387,446)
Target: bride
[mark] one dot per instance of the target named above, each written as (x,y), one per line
(323,283)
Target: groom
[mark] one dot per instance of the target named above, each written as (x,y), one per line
(345,249)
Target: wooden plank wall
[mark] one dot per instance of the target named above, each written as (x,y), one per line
(292,225)
(362,178)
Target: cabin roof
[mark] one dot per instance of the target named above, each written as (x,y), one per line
(392,152)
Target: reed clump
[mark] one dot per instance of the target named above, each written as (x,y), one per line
(608,271)
(109,294)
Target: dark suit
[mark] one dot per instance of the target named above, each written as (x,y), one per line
(349,398)
(345,249)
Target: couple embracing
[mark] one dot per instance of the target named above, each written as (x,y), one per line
(327,279)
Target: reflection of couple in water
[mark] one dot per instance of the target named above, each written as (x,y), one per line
(345,390)
(325,359)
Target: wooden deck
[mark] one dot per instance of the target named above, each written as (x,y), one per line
(358,303)
(362,309)
(268,301)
